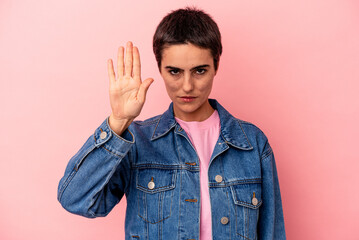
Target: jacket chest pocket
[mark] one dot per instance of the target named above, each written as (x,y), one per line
(247,200)
(155,193)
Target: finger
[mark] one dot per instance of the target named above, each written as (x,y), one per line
(136,64)
(128,60)
(143,89)
(120,67)
(111,72)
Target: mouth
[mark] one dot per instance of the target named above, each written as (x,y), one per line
(187,98)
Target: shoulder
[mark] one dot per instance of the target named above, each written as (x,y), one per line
(145,128)
(251,130)
(148,121)
(255,136)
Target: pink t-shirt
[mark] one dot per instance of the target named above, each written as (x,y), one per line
(204,136)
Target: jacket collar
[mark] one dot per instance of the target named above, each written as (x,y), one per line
(231,129)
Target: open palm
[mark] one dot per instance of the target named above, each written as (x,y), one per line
(127,91)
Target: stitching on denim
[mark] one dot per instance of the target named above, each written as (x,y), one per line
(158,189)
(191,200)
(112,152)
(78,164)
(65,184)
(135,236)
(237,225)
(179,208)
(172,193)
(161,196)
(146,122)
(74,171)
(237,182)
(107,181)
(249,205)
(243,236)
(265,155)
(160,209)
(229,214)
(222,166)
(138,203)
(245,134)
(244,204)
(176,143)
(236,215)
(152,222)
(91,213)
(127,187)
(190,143)
(145,205)
(155,190)
(147,229)
(167,167)
(246,223)
(121,138)
(160,227)
(222,151)
(158,121)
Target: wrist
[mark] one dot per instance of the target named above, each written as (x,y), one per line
(119,125)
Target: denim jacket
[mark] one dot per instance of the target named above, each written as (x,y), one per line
(155,165)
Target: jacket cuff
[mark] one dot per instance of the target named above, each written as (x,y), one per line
(119,145)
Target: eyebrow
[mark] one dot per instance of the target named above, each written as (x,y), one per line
(200,66)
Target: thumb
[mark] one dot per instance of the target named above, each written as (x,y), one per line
(143,89)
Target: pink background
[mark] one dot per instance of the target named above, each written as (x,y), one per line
(290,67)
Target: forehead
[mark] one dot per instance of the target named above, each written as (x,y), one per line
(186,56)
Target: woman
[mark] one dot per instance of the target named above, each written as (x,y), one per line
(194,172)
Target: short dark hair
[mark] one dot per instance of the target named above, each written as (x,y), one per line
(188,25)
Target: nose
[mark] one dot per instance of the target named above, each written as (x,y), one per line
(188,83)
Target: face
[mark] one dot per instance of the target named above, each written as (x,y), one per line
(188,73)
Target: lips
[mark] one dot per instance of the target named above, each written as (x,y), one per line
(187,98)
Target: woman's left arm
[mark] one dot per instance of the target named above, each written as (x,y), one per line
(271,220)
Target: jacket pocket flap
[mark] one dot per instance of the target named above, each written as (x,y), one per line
(153,180)
(247,195)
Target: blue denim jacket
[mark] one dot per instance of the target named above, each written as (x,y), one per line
(155,165)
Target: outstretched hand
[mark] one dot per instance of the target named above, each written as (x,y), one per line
(127,91)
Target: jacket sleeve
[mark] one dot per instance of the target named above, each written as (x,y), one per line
(271,220)
(96,177)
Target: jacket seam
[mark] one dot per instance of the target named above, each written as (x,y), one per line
(147,122)
(158,121)
(73,173)
(249,143)
(104,185)
(237,182)
(266,154)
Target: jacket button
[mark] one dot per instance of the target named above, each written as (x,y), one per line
(224,220)
(254,199)
(151,185)
(103,135)
(218,178)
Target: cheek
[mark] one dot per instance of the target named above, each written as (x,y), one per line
(171,87)
(206,86)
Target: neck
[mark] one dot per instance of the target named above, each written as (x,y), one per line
(201,114)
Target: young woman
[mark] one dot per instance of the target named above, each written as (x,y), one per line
(194,172)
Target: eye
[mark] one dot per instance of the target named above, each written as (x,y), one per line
(174,71)
(201,71)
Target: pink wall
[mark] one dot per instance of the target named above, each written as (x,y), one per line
(290,67)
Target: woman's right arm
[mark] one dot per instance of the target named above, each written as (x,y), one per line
(96,177)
